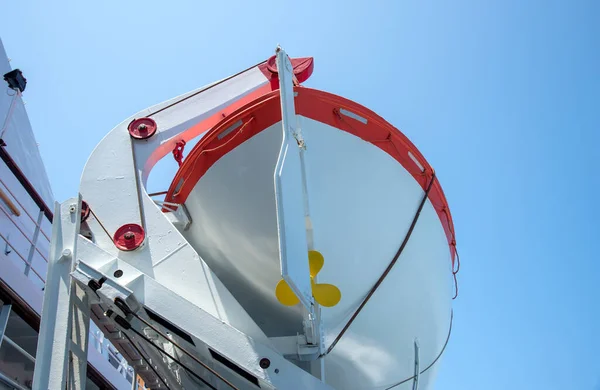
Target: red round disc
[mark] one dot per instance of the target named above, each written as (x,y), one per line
(142,128)
(303,67)
(85,210)
(272,64)
(129,237)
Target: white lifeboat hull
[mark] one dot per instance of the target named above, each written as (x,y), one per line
(365,182)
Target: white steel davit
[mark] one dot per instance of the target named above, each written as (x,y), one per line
(304,243)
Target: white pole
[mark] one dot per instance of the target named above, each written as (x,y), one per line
(54,342)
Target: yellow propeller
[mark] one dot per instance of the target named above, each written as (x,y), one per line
(325,294)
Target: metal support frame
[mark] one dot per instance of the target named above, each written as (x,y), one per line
(80,330)
(164,275)
(34,240)
(4,314)
(63,336)
(294,220)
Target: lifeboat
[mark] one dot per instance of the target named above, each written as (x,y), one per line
(379,240)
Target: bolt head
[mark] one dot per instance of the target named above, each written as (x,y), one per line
(264,363)
(142,127)
(72,208)
(129,236)
(66,253)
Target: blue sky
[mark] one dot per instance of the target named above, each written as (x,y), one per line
(501,97)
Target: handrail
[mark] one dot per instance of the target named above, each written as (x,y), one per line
(14,168)
(22,258)
(9,203)
(25,235)
(24,209)
(19,348)
(11,382)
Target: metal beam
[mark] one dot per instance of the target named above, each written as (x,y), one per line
(54,343)
(34,241)
(4,314)
(80,330)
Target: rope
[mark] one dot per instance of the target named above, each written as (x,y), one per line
(205,89)
(454,272)
(100,223)
(388,269)
(434,361)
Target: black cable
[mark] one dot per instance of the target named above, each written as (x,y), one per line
(204,89)
(436,359)
(127,326)
(123,306)
(145,360)
(389,267)
(189,370)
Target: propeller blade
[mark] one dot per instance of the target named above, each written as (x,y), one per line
(285,295)
(326,295)
(315,262)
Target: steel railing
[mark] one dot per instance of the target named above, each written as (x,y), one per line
(31,238)
(102,345)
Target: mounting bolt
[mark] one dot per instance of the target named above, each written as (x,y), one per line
(129,236)
(142,128)
(66,254)
(72,208)
(264,363)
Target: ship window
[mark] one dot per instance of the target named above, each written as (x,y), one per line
(21,333)
(14,365)
(16,361)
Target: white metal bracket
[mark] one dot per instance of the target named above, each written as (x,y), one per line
(103,288)
(180,217)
